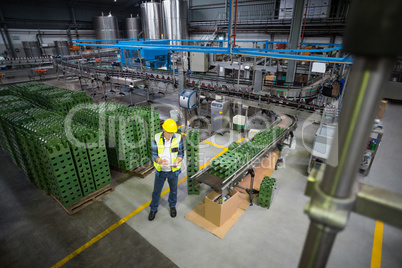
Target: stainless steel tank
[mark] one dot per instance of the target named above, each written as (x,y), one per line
(31,49)
(174,13)
(62,48)
(106,27)
(132,27)
(151,17)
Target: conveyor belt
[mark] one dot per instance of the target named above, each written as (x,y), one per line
(287,122)
(132,76)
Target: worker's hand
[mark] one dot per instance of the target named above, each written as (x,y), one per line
(165,162)
(176,163)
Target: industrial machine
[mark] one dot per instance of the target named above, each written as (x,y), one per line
(258,80)
(220,116)
(132,27)
(174,13)
(106,27)
(199,62)
(151,20)
(188,99)
(31,49)
(153,58)
(62,48)
(188,102)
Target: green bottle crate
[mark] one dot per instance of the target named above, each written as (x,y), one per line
(192,155)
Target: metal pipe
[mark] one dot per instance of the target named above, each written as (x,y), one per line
(230,27)
(327,214)
(73,16)
(238,74)
(356,119)
(304,23)
(226,8)
(10,42)
(235,24)
(4,39)
(318,245)
(344,87)
(7,35)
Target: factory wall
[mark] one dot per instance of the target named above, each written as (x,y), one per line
(204,10)
(47,14)
(47,38)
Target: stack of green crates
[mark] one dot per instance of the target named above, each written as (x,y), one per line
(34,138)
(4,135)
(140,118)
(226,164)
(34,131)
(193,163)
(81,158)
(96,148)
(126,148)
(238,155)
(11,122)
(266,193)
(129,131)
(154,127)
(64,183)
(4,91)
(56,99)
(233,146)
(247,150)
(32,117)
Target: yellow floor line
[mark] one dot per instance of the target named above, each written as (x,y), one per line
(121,221)
(110,229)
(214,144)
(242,139)
(101,235)
(377,245)
(207,163)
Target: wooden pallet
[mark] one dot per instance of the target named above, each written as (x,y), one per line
(139,171)
(87,200)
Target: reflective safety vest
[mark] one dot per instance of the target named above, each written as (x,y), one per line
(174,149)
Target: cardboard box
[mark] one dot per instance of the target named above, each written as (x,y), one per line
(301,78)
(270,77)
(217,213)
(382,109)
(336,90)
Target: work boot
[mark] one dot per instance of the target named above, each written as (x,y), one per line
(151,216)
(173,212)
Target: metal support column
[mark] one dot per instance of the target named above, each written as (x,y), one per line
(334,197)
(238,74)
(230,26)
(294,39)
(355,122)
(4,39)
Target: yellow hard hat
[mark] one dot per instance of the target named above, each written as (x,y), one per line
(169,125)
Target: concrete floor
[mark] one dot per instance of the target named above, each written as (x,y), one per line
(35,231)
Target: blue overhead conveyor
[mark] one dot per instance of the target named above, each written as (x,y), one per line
(156,52)
(153,58)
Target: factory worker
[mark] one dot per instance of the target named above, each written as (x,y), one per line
(167,154)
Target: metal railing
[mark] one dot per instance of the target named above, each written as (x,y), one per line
(220,19)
